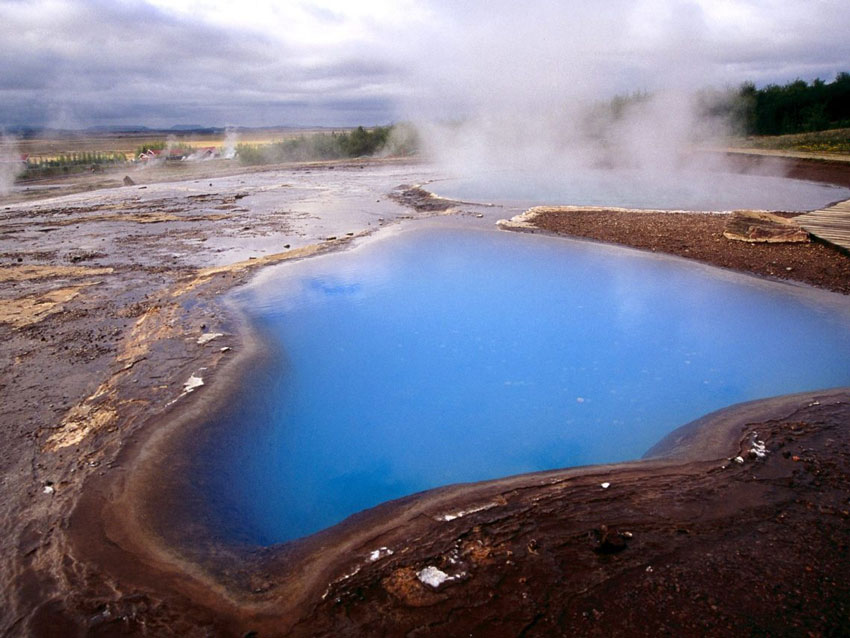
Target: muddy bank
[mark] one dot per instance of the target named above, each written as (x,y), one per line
(702,538)
(109,317)
(708,547)
(824,169)
(698,236)
(108,306)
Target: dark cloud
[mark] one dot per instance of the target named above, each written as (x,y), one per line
(83,62)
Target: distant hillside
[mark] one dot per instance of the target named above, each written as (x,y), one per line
(31,132)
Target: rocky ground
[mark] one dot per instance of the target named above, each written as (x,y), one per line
(103,298)
(108,304)
(703,548)
(699,236)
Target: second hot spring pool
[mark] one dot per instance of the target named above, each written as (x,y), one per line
(438,355)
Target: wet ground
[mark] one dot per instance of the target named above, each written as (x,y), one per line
(104,300)
(103,296)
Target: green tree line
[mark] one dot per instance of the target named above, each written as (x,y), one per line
(796,107)
(360,142)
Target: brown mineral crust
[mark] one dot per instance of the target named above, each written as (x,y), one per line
(825,170)
(699,236)
(718,547)
(100,315)
(421,200)
(760,227)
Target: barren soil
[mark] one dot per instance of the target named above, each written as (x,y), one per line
(699,236)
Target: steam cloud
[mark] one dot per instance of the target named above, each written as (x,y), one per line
(533,90)
(10,164)
(231,139)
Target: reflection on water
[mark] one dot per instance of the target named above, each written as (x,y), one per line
(441,356)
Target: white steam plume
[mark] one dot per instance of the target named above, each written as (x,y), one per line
(231,139)
(10,164)
(530,87)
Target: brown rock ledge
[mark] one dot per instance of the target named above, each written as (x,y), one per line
(760,227)
(692,235)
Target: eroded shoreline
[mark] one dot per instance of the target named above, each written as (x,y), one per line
(131,587)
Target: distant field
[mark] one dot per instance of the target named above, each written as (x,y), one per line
(49,148)
(836,141)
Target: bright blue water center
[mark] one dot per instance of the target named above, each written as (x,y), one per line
(440,356)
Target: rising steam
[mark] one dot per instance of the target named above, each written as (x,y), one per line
(231,139)
(537,90)
(10,164)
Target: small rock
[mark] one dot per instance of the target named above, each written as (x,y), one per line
(192,384)
(432,576)
(379,553)
(758,227)
(128,181)
(608,541)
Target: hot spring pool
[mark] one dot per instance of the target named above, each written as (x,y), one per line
(437,356)
(699,190)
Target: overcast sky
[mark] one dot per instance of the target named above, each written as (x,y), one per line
(77,63)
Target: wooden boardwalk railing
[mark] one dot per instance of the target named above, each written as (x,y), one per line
(831,224)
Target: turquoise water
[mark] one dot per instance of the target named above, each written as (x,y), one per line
(440,356)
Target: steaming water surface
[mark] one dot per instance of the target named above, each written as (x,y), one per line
(641,189)
(439,356)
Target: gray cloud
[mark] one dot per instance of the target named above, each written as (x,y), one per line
(89,62)
(96,62)
(519,87)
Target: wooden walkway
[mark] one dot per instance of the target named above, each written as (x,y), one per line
(831,224)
